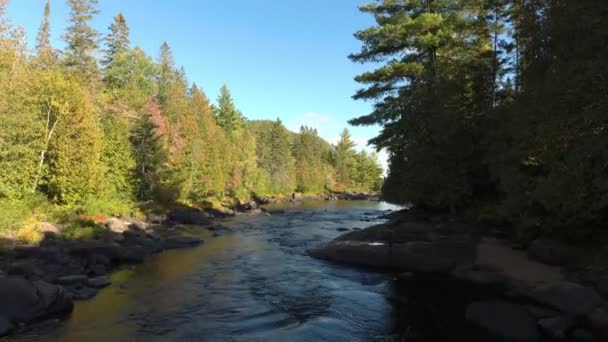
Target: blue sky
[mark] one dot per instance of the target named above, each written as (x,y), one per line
(285,59)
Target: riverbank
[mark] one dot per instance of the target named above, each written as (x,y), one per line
(50,275)
(518,295)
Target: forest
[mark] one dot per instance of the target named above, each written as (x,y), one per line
(495,111)
(110,135)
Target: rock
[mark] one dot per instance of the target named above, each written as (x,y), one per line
(117,225)
(175,242)
(137,224)
(569,298)
(296,196)
(540,313)
(6,327)
(430,257)
(557,327)
(98,270)
(27,268)
(26,301)
(580,335)
(71,279)
(186,215)
(155,218)
(550,252)
(98,282)
(79,292)
(342,229)
(48,228)
(504,321)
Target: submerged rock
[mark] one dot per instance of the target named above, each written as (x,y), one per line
(186,215)
(503,321)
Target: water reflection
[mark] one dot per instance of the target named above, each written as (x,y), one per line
(252,283)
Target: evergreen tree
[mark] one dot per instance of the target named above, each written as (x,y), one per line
(82,39)
(227,115)
(43,40)
(310,170)
(167,74)
(344,158)
(117,41)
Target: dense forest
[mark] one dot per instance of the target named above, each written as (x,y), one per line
(103,136)
(495,110)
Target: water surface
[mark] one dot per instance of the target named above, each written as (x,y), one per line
(253,282)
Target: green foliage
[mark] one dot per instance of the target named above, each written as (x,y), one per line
(227,115)
(81,40)
(492,109)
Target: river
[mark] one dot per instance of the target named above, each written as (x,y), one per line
(252,282)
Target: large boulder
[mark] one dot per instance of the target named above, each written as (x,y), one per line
(48,228)
(415,256)
(503,321)
(23,301)
(569,298)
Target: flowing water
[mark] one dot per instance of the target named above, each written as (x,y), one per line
(253,282)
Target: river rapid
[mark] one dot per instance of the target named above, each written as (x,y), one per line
(251,282)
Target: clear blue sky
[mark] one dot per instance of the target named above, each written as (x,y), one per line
(285,59)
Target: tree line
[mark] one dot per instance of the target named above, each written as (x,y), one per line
(128,129)
(495,110)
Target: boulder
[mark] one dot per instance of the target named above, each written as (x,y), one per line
(186,215)
(25,301)
(503,321)
(549,251)
(598,320)
(482,277)
(71,279)
(557,327)
(80,292)
(48,228)
(175,242)
(117,225)
(296,196)
(569,298)
(98,282)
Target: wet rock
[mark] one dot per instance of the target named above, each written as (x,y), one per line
(503,321)
(569,298)
(540,313)
(79,292)
(549,251)
(342,229)
(27,268)
(432,257)
(175,242)
(98,270)
(98,282)
(26,301)
(188,216)
(6,327)
(557,327)
(71,279)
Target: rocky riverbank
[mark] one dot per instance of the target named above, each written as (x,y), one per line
(38,283)
(518,296)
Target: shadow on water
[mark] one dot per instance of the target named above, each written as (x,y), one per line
(255,282)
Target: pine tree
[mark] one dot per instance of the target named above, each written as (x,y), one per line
(150,157)
(344,158)
(82,40)
(117,41)
(227,115)
(167,74)
(43,40)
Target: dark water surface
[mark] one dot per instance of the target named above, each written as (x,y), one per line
(251,283)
